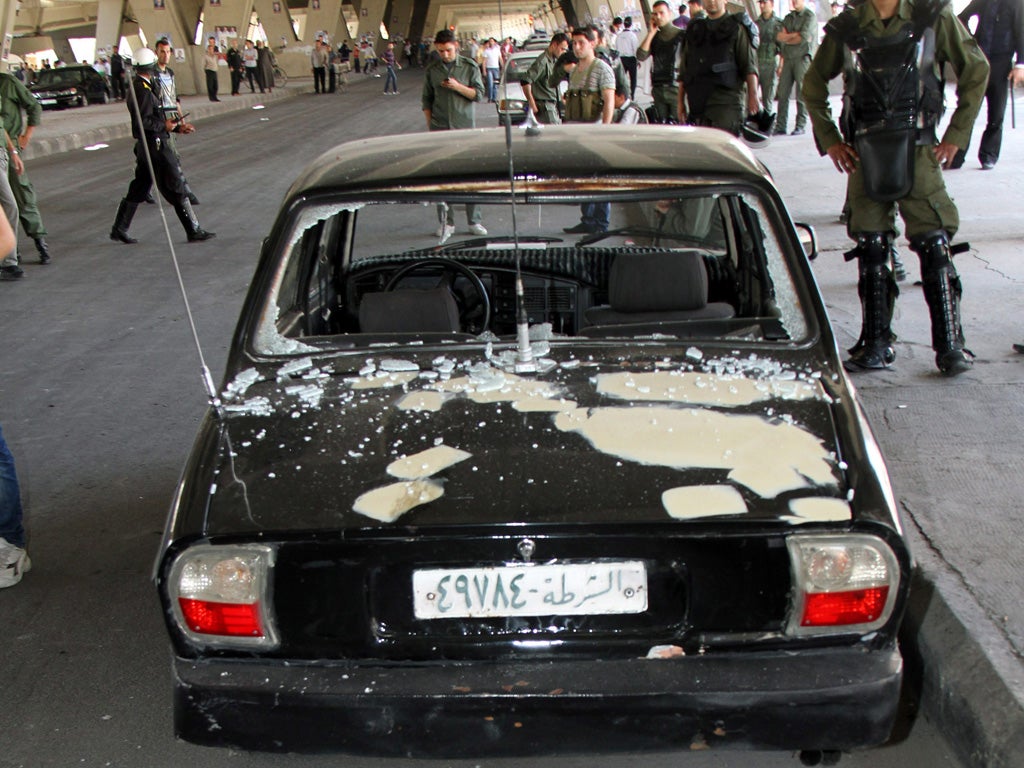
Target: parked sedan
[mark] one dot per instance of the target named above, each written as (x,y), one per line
(71,86)
(539,490)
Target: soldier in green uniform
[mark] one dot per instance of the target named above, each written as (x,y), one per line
(796,44)
(718,71)
(542,98)
(892,53)
(451,85)
(16,97)
(768,26)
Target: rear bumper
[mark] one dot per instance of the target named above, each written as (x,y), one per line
(815,699)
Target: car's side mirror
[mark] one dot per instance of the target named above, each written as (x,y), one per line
(808,240)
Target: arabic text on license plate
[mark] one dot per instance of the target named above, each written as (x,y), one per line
(47,102)
(571,589)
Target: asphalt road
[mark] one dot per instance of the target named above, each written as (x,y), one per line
(100,397)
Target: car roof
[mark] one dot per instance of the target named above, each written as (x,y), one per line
(566,151)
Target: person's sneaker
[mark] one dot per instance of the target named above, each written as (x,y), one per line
(439,232)
(988,165)
(797,132)
(14,561)
(13,272)
(477,229)
(446,232)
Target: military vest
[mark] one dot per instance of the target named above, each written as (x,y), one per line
(710,59)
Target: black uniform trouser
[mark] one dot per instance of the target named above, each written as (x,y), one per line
(629,64)
(253,74)
(211,84)
(995,98)
(236,81)
(320,79)
(165,167)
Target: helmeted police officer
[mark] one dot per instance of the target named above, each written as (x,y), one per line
(891,53)
(156,129)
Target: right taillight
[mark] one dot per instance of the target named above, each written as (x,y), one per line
(841,583)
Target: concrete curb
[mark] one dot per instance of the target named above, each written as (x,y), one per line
(972,688)
(198,108)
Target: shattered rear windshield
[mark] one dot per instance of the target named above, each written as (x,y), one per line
(662,263)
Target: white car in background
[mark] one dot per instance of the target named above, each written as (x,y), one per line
(511,99)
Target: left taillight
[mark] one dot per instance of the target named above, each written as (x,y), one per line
(841,583)
(220,595)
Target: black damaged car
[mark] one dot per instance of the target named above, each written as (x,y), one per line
(535,490)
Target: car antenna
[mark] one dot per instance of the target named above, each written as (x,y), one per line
(211,390)
(524,362)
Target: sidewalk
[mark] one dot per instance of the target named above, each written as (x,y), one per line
(953,447)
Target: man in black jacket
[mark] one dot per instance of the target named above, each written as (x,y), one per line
(1000,35)
(662,46)
(155,134)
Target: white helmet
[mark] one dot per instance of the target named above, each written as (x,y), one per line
(144,57)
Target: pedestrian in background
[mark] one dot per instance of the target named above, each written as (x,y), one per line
(15,99)
(796,40)
(265,64)
(14,560)
(235,66)
(541,97)
(626,43)
(117,76)
(211,60)
(250,61)
(768,58)
(1000,34)
(318,62)
(451,85)
(391,78)
(590,99)
(662,45)
(9,267)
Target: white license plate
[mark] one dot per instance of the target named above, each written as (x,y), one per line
(572,589)
(47,102)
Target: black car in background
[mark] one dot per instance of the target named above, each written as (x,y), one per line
(538,490)
(72,86)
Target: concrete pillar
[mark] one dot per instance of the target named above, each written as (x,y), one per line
(277,23)
(8,12)
(371,13)
(400,22)
(322,16)
(109,14)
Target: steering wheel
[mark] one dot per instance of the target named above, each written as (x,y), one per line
(474,316)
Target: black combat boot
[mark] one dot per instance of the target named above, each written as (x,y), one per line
(43,249)
(188,220)
(123,220)
(877,290)
(942,292)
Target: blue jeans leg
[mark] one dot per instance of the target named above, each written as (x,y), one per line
(10,498)
(596,215)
